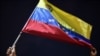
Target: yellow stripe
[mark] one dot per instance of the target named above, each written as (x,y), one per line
(70,21)
(41,4)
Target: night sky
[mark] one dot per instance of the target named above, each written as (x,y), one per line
(14,14)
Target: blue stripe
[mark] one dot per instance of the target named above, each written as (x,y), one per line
(46,17)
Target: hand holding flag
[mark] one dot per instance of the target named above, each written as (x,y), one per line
(93,52)
(11,51)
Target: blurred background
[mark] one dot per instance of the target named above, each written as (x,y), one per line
(14,14)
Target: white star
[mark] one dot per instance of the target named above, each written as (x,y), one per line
(66,32)
(58,25)
(63,29)
(51,20)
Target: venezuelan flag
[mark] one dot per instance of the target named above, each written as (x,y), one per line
(43,23)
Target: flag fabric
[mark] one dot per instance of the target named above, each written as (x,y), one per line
(43,23)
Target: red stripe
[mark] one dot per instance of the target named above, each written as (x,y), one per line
(51,32)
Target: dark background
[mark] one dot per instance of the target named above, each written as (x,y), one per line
(14,14)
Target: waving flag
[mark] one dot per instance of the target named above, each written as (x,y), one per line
(43,23)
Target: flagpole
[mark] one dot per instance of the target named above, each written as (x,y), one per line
(19,35)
